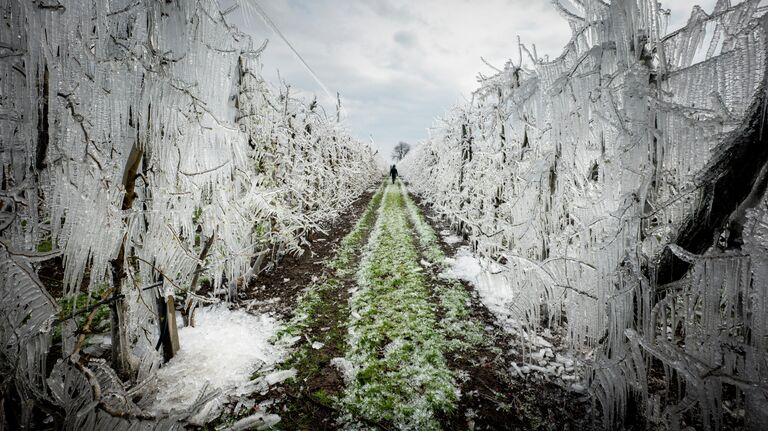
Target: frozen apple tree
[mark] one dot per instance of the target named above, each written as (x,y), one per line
(622,187)
(140,143)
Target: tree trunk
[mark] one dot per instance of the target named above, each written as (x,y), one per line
(120,350)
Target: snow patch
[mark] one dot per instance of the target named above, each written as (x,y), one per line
(222,351)
(490,283)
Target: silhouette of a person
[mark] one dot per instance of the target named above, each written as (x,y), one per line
(393,173)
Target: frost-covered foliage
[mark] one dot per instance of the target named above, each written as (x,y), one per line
(26,310)
(139,142)
(589,176)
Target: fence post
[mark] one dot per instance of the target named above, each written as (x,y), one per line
(169,335)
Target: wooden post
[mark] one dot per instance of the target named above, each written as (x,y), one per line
(173,330)
(120,345)
(169,335)
(120,350)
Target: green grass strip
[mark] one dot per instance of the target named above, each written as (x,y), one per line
(426,235)
(341,265)
(462,331)
(395,342)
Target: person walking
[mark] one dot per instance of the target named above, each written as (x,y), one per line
(393,173)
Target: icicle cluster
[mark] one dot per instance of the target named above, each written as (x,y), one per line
(582,174)
(140,142)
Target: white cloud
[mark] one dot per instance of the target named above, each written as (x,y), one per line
(399,64)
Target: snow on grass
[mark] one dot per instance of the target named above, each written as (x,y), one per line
(341,264)
(463,331)
(221,352)
(395,345)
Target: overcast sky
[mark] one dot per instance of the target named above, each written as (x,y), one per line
(400,64)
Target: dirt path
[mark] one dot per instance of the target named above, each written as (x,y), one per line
(384,341)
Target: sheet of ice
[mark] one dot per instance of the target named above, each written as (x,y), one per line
(222,350)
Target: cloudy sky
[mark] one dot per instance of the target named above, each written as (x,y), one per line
(400,64)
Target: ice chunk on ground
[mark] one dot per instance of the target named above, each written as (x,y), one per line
(280,376)
(452,239)
(465,266)
(223,350)
(258,421)
(449,237)
(344,366)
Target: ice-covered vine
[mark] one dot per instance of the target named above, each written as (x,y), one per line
(140,143)
(583,176)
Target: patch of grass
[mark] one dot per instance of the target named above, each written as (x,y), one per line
(307,360)
(322,397)
(464,333)
(396,342)
(426,235)
(45,246)
(353,241)
(341,265)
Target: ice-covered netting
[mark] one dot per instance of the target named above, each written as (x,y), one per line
(141,144)
(578,174)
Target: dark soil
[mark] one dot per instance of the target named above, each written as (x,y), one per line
(51,274)
(279,290)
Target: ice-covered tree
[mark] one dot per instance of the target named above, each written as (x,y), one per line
(602,180)
(143,147)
